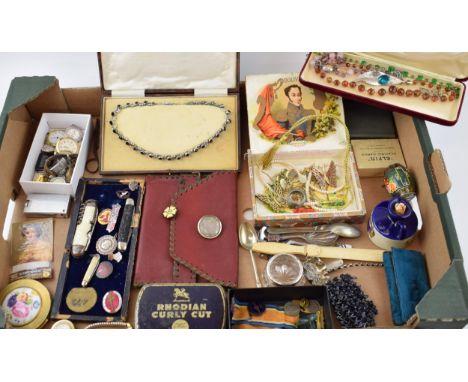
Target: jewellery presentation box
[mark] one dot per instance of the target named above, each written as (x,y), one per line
(443,306)
(430,73)
(189,98)
(40,199)
(272,109)
(72,270)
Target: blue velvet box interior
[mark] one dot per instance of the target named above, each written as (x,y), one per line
(120,279)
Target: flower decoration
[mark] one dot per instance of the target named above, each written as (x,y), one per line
(170,212)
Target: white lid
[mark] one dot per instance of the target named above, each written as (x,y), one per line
(175,71)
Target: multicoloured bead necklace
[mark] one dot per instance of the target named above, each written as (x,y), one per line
(377,77)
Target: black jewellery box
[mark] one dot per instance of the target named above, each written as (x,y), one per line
(104,192)
(279,295)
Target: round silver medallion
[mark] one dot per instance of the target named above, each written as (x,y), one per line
(284,269)
(209,227)
(292,309)
(106,245)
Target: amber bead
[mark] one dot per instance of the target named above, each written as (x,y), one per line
(368,67)
(452,93)
(322,75)
(435,98)
(447,90)
(439,87)
(354,65)
(370,91)
(382,92)
(423,83)
(392,89)
(430,85)
(451,97)
(348,64)
(425,96)
(336,82)
(329,80)
(361,88)
(317,70)
(417,93)
(443,98)
(352,84)
(415,82)
(401,91)
(345,83)
(409,93)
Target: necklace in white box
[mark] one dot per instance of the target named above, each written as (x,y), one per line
(114,122)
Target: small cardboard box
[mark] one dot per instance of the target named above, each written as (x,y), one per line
(48,122)
(373,156)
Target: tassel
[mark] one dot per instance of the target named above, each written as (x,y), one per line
(267,158)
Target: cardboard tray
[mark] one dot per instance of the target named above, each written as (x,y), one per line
(444,306)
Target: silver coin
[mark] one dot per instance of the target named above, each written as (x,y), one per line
(209,227)
(292,309)
(284,269)
(314,306)
(106,245)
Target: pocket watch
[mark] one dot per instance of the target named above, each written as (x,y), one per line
(54,135)
(75,133)
(67,146)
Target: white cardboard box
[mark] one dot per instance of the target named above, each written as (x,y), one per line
(56,121)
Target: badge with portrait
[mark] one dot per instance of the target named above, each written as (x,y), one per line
(32,249)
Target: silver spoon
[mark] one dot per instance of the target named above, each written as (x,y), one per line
(247,238)
(340,229)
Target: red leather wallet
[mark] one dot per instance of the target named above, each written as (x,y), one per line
(172,250)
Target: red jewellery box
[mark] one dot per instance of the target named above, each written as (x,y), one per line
(425,85)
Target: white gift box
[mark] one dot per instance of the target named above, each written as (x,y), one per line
(52,121)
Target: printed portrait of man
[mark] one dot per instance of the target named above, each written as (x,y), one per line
(294,111)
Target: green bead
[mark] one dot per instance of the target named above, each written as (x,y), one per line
(434,81)
(363,62)
(391,69)
(404,73)
(420,77)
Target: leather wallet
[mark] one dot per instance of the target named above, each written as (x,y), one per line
(172,250)
(407,282)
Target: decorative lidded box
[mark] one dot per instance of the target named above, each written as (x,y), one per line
(301,165)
